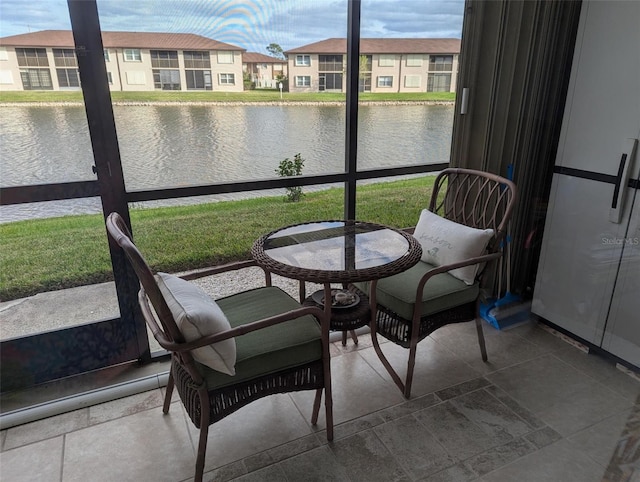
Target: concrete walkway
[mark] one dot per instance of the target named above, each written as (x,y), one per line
(57,309)
(75,306)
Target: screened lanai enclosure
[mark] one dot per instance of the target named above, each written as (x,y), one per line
(512,75)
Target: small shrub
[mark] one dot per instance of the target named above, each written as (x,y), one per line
(288,167)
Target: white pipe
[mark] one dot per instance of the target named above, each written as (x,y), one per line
(102,395)
(82,400)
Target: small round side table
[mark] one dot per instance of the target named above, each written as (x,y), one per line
(347,319)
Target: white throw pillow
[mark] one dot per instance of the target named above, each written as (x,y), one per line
(446,242)
(197,315)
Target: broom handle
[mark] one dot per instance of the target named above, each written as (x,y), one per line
(508,258)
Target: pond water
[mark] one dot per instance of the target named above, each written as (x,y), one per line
(181,145)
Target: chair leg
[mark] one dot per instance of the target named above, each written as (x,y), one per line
(204,432)
(394,376)
(168,394)
(411,363)
(483,348)
(328,410)
(328,405)
(354,337)
(316,406)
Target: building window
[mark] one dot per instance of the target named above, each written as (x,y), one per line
(303,60)
(227,79)
(198,79)
(329,81)
(106,55)
(385,81)
(439,83)
(132,55)
(36,79)
(303,81)
(414,60)
(68,78)
(164,59)
(440,63)
(6,77)
(197,60)
(110,78)
(225,57)
(412,81)
(4,55)
(64,58)
(364,82)
(386,60)
(166,79)
(330,63)
(32,57)
(136,78)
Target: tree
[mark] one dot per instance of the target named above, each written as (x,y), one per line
(275,50)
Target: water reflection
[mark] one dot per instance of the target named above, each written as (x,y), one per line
(171,146)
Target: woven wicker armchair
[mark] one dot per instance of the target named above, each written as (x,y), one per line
(413,304)
(280,346)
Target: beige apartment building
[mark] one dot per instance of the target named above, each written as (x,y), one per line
(386,65)
(263,70)
(135,61)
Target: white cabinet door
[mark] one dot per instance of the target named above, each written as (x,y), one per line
(578,267)
(603,100)
(586,283)
(622,333)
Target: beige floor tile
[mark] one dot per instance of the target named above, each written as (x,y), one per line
(603,370)
(317,465)
(261,425)
(357,390)
(584,408)
(504,348)
(541,383)
(144,446)
(41,461)
(533,332)
(125,406)
(557,462)
(46,428)
(436,367)
(600,440)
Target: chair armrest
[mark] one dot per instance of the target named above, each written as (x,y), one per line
(485,258)
(238,330)
(223,268)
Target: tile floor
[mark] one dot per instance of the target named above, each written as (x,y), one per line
(540,410)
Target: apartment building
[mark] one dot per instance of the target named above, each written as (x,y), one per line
(263,70)
(386,65)
(135,61)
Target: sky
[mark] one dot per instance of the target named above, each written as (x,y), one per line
(250,24)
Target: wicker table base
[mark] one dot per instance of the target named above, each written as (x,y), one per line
(347,319)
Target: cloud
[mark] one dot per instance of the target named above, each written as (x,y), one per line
(252,24)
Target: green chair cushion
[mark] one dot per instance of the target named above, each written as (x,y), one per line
(269,350)
(443,291)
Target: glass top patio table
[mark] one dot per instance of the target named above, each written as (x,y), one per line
(336,251)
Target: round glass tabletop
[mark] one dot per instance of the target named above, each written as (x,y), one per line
(337,251)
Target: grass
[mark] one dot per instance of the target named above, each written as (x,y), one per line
(263,95)
(56,253)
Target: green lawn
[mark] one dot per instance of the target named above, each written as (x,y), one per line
(246,96)
(49,254)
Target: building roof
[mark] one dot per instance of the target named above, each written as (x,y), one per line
(257,58)
(383,46)
(139,40)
